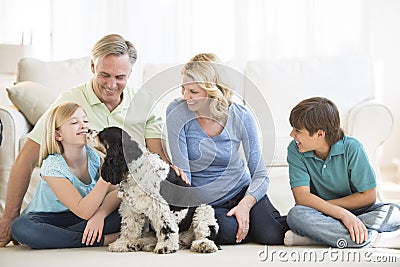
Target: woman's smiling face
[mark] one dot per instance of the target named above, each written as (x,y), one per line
(195,97)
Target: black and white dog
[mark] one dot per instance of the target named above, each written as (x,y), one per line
(140,175)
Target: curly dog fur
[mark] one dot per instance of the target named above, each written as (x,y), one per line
(141,175)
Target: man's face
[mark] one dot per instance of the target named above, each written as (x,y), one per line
(111,74)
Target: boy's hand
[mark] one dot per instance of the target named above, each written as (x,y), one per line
(358,231)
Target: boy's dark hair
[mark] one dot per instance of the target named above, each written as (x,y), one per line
(317,113)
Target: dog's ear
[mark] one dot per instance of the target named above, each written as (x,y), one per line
(114,167)
(132,150)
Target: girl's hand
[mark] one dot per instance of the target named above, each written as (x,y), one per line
(94,230)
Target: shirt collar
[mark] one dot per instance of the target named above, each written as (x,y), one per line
(94,100)
(336,149)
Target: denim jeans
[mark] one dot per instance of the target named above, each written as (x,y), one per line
(306,221)
(45,230)
(266,227)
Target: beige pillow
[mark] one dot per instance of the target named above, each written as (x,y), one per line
(58,76)
(31,98)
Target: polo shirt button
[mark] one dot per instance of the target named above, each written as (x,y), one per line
(324,166)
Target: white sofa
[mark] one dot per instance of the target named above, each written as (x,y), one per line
(37,85)
(281,84)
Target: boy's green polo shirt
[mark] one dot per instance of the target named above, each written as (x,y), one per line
(134,113)
(345,171)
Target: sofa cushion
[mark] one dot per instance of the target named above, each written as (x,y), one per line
(56,75)
(31,98)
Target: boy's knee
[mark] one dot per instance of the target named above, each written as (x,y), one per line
(297,213)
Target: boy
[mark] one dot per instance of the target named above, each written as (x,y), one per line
(334,185)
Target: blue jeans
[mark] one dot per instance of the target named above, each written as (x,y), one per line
(45,230)
(306,221)
(266,227)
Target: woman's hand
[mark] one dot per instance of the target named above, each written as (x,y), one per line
(93,230)
(242,214)
(181,174)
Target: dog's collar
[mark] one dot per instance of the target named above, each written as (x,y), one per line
(120,193)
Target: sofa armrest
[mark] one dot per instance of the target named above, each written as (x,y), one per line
(15,126)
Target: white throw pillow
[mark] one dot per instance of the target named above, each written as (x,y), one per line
(31,98)
(58,76)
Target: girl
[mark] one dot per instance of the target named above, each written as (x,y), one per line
(72,206)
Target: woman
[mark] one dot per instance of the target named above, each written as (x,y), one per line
(72,206)
(206,130)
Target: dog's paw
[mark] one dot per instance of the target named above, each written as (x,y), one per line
(166,248)
(119,246)
(143,244)
(204,246)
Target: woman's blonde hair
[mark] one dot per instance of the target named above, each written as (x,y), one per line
(205,70)
(55,118)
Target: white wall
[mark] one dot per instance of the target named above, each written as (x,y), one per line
(383,19)
(178,29)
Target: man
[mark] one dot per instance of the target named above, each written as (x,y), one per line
(107,101)
(333,184)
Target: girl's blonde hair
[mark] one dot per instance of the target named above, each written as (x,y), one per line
(55,118)
(204,70)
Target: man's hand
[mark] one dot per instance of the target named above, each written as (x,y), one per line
(358,231)
(5,231)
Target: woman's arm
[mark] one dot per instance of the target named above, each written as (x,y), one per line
(259,179)
(83,207)
(176,120)
(255,161)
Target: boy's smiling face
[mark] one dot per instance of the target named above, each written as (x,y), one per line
(303,140)
(316,142)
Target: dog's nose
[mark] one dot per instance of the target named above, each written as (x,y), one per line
(90,131)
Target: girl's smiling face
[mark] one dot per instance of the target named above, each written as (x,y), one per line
(74,130)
